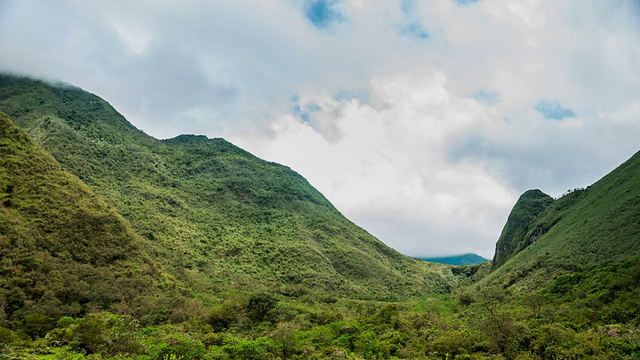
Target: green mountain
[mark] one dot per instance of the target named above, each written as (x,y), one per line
(521,229)
(584,230)
(216,217)
(124,246)
(466,259)
(63,251)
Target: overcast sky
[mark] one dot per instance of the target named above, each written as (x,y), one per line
(422,121)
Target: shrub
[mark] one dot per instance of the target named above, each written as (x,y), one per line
(222,317)
(7,336)
(178,347)
(37,325)
(387,314)
(260,307)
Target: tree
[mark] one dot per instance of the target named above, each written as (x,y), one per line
(260,307)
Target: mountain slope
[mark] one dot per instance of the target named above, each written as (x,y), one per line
(584,230)
(63,251)
(518,232)
(213,214)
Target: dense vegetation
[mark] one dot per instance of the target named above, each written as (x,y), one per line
(123,246)
(215,216)
(63,251)
(584,230)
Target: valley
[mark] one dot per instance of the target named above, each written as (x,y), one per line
(119,245)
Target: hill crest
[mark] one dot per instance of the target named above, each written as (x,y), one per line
(63,251)
(214,215)
(583,230)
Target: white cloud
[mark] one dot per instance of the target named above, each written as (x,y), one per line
(425,138)
(388,167)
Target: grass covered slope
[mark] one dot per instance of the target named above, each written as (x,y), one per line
(213,214)
(62,250)
(584,230)
(520,231)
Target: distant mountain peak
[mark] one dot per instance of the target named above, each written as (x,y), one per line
(580,231)
(515,234)
(465,259)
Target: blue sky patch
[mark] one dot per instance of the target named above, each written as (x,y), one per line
(322,13)
(465,2)
(407,6)
(416,29)
(412,27)
(304,113)
(553,110)
(487,97)
(347,95)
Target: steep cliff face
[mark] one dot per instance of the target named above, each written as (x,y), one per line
(520,230)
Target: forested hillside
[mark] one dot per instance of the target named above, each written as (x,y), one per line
(63,251)
(214,215)
(114,244)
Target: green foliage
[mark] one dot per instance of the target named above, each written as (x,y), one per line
(62,250)
(268,268)
(584,230)
(105,333)
(455,342)
(222,317)
(215,216)
(496,326)
(520,230)
(178,346)
(388,314)
(37,325)
(260,307)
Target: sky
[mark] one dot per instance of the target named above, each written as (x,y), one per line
(421,121)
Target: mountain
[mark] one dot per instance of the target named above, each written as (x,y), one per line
(585,230)
(124,246)
(63,251)
(215,216)
(466,259)
(520,230)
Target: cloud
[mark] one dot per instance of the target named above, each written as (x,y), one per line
(454,139)
(487,97)
(386,167)
(421,120)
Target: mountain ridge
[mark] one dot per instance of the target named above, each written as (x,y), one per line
(213,214)
(583,230)
(208,252)
(63,251)
(516,234)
